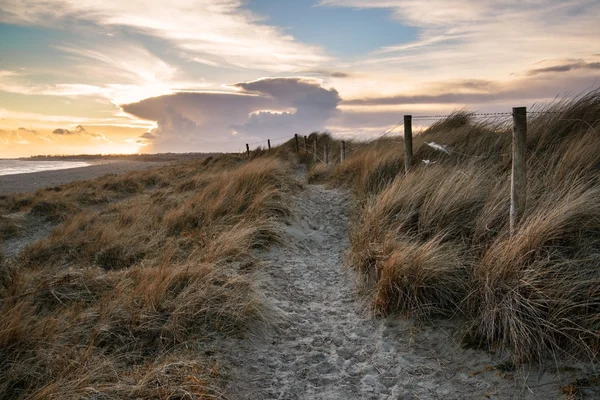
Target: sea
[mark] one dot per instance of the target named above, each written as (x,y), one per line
(11,167)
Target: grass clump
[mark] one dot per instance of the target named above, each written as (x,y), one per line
(9,228)
(421,279)
(435,242)
(123,298)
(371,167)
(319,173)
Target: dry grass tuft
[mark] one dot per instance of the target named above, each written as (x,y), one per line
(539,289)
(143,272)
(9,228)
(421,279)
(371,167)
(435,242)
(319,173)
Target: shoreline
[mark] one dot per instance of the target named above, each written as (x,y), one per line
(32,181)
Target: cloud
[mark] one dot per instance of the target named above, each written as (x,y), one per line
(27,130)
(50,121)
(313,105)
(580,64)
(298,92)
(340,75)
(81,131)
(479,93)
(460,39)
(330,74)
(23,142)
(262,109)
(213,32)
(148,135)
(7,73)
(99,136)
(22,136)
(176,133)
(35,133)
(123,73)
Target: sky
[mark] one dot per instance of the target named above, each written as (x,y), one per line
(114,76)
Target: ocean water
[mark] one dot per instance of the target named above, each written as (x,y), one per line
(11,167)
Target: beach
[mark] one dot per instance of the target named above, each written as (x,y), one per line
(30,182)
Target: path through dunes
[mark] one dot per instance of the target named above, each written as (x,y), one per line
(326,346)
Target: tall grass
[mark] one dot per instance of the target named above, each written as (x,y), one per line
(143,272)
(435,242)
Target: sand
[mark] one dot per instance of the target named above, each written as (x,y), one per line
(326,345)
(39,180)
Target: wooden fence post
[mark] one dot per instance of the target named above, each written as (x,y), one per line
(305,148)
(248,150)
(269,143)
(326,153)
(408,148)
(297,145)
(518,184)
(343,152)
(315,150)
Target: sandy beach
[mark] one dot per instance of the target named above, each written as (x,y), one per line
(39,180)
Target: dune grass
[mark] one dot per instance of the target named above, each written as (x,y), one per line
(435,242)
(126,296)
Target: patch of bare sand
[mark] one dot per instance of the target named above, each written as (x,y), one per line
(30,229)
(326,346)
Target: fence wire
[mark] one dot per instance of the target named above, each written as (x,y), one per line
(499,116)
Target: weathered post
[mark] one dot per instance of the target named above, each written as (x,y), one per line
(518,186)
(297,145)
(248,150)
(315,150)
(269,143)
(343,152)
(305,148)
(326,153)
(408,150)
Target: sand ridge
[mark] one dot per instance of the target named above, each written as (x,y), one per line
(325,345)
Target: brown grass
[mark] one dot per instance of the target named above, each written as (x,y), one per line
(145,270)
(320,172)
(435,242)
(8,228)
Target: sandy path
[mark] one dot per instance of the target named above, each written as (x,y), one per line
(325,346)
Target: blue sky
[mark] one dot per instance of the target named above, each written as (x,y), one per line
(344,32)
(210,75)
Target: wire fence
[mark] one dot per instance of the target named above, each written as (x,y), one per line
(500,118)
(519,153)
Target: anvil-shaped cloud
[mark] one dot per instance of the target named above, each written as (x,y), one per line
(262,109)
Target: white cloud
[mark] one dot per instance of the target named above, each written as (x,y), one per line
(6,73)
(82,132)
(48,121)
(218,31)
(121,74)
(22,137)
(488,39)
(265,109)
